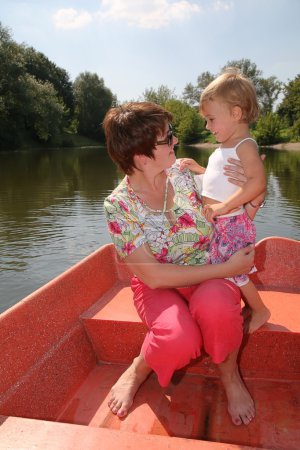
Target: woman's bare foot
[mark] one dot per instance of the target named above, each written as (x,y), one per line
(240,404)
(257,319)
(123,392)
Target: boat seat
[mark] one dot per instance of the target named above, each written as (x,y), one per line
(116,331)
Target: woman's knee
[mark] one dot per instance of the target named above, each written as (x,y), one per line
(215,300)
(175,344)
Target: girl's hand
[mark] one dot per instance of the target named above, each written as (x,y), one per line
(214,210)
(192,165)
(242,261)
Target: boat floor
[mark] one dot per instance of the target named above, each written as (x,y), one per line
(193,406)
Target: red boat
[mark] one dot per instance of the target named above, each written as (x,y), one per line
(65,345)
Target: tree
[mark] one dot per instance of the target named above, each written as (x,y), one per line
(289,109)
(38,65)
(188,125)
(160,96)
(12,92)
(267,130)
(270,89)
(191,93)
(45,110)
(28,105)
(92,101)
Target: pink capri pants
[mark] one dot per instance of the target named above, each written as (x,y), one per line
(181,322)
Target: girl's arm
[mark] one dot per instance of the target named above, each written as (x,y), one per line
(156,275)
(192,165)
(254,186)
(253,206)
(235,173)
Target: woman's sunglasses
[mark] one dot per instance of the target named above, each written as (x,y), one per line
(169,138)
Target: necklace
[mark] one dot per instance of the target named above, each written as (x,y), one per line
(165,199)
(162,211)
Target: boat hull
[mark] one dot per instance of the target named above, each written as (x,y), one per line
(63,347)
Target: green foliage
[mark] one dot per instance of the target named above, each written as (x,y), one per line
(37,98)
(270,89)
(38,65)
(93,100)
(295,131)
(45,111)
(11,90)
(160,96)
(29,106)
(191,94)
(187,122)
(268,129)
(289,108)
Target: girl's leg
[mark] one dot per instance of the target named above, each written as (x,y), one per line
(215,305)
(172,341)
(259,313)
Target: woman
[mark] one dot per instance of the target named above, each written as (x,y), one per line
(156,223)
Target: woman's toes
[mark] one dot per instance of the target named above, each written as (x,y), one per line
(237,420)
(114,406)
(122,412)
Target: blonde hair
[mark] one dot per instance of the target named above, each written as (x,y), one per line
(235,89)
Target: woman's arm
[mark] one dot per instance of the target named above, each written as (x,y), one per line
(157,275)
(235,172)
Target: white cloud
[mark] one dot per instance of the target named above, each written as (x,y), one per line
(151,14)
(71,19)
(222,5)
(147,13)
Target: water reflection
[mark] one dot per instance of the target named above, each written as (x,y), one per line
(51,213)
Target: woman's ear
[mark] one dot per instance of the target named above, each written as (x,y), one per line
(140,161)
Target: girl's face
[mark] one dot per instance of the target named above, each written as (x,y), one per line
(221,120)
(164,150)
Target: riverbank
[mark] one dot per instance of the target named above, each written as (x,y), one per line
(289,146)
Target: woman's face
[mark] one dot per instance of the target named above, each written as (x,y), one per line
(164,154)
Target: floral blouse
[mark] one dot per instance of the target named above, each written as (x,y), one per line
(132,224)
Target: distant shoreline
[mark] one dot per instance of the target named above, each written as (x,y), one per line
(289,146)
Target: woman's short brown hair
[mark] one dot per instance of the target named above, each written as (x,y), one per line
(132,129)
(235,89)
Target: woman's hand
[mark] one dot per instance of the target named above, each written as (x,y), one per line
(235,172)
(242,261)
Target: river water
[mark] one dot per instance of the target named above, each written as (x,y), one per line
(51,210)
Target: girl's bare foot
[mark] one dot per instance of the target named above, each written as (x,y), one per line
(256,320)
(123,392)
(240,404)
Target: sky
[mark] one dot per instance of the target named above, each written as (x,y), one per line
(136,45)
